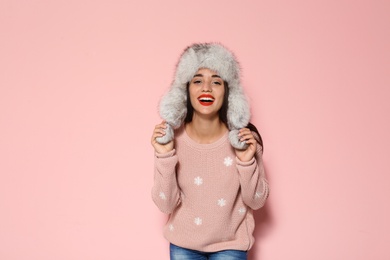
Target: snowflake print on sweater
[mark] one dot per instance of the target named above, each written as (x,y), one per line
(241,211)
(228,161)
(198,221)
(162,196)
(198,181)
(171,227)
(221,202)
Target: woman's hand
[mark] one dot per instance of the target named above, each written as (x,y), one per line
(246,155)
(159,130)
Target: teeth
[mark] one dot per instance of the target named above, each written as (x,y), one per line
(206,99)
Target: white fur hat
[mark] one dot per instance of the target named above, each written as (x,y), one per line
(213,56)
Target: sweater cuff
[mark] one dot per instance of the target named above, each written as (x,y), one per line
(165,155)
(248,163)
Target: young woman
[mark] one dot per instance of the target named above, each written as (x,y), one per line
(209,174)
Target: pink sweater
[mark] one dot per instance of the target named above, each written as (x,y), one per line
(209,194)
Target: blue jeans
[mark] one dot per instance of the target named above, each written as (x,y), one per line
(179,253)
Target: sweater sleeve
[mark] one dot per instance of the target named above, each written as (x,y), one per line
(165,191)
(254,186)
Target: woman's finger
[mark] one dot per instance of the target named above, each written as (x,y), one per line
(246,137)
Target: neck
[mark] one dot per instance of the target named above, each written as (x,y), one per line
(205,130)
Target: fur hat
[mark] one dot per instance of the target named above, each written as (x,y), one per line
(213,56)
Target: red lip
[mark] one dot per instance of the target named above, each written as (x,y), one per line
(206,99)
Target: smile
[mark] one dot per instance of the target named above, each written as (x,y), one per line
(206,100)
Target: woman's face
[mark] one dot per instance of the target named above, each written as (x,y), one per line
(206,92)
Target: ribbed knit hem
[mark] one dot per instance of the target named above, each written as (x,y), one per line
(165,155)
(250,162)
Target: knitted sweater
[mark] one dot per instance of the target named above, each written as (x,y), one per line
(209,193)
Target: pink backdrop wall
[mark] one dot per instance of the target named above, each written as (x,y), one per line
(79,86)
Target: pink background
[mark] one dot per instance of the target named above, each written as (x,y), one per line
(79,86)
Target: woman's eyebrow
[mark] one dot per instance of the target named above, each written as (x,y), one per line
(201,75)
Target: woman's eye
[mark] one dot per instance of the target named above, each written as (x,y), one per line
(197,81)
(217,83)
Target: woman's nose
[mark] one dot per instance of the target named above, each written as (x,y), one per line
(206,87)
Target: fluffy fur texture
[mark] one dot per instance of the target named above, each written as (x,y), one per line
(215,57)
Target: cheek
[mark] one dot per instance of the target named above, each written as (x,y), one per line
(192,96)
(192,101)
(220,104)
(221,93)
